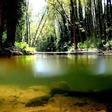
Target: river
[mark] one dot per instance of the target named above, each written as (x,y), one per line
(80,73)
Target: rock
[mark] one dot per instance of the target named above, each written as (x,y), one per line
(60,88)
(5,53)
(56,91)
(10,51)
(14,53)
(63,85)
(39,101)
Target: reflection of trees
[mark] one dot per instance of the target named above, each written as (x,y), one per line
(101,65)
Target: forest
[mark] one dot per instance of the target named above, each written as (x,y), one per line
(56,57)
(63,25)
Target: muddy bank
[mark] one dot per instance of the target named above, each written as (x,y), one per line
(13,51)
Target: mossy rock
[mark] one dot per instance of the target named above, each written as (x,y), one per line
(38,101)
(63,85)
(60,88)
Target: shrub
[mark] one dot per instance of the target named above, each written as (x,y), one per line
(25,46)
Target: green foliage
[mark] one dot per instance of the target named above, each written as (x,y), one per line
(20,29)
(46,44)
(71,48)
(22,45)
(66,24)
(4,36)
(86,44)
(25,46)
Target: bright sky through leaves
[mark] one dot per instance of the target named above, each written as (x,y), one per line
(37,6)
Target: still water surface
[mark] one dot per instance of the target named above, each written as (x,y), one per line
(81,73)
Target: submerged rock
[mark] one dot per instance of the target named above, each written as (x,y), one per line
(60,88)
(38,101)
(63,85)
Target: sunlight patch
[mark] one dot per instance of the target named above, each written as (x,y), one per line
(47,68)
(37,6)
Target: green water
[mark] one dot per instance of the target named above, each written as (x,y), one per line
(81,73)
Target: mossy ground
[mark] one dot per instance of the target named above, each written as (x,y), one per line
(13,99)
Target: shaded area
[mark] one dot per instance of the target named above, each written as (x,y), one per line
(10,14)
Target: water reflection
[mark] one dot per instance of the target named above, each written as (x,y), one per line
(45,67)
(103,65)
(80,72)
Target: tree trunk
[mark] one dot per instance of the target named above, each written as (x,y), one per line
(11,17)
(11,30)
(73,20)
(2,20)
(100,19)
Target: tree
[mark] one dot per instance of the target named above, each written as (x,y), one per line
(73,20)
(2,20)
(10,14)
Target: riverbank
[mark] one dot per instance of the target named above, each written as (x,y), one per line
(14,51)
(14,99)
(79,52)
